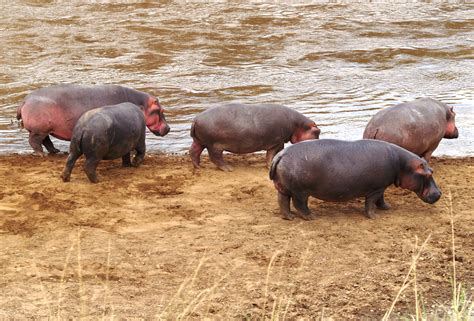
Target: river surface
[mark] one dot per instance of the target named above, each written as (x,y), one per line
(336,63)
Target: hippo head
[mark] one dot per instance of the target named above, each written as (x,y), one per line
(155,118)
(451,130)
(417,176)
(304,132)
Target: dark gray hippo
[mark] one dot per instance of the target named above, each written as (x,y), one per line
(336,170)
(240,129)
(417,126)
(55,110)
(108,132)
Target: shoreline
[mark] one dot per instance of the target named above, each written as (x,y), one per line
(163,238)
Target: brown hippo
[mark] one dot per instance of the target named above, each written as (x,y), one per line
(108,132)
(417,126)
(55,110)
(240,129)
(337,170)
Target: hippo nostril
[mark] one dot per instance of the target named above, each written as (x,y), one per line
(433,198)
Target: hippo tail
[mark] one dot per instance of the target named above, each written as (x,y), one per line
(18,111)
(274,164)
(193,130)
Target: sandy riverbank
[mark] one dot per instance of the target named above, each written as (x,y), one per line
(163,239)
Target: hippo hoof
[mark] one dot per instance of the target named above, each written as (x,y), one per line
(289,217)
(65,178)
(307,216)
(226,168)
(136,162)
(54,151)
(383,206)
(39,154)
(370,215)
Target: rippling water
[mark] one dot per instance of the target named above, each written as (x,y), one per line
(337,63)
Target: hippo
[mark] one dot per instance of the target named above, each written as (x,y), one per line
(417,126)
(108,132)
(55,110)
(337,170)
(240,129)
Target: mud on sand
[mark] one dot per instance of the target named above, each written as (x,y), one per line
(164,240)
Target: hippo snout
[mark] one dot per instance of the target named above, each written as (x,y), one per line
(433,197)
(456,133)
(165,131)
(162,131)
(430,193)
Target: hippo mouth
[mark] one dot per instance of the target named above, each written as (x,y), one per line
(161,131)
(454,135)
(428,192)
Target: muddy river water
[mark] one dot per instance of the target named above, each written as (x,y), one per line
(336,63)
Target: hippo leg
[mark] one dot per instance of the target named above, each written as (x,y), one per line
(89,167)
(271,153)
(49,146)
(71,160)
(300,202)
(427,155)
(126,160)
(195,152)
(140,155)
(284,203)
(371,203)
(381,204)
(36,140)
(218,159)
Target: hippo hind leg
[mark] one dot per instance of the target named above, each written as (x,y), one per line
(126,160)
(70,162)
(300,202)
(271,153)
(195,152)
(218,159)
(36,140)
(90,166)
(381,204)
(372,201)
(284,203)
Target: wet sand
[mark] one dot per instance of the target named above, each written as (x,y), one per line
(163,240)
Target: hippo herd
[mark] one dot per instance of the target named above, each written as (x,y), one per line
(108,122)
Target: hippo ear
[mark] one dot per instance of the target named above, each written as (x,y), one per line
(450,113)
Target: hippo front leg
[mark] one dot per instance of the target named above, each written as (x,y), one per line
(271,153)
(427,155)
(140,155)
(126,160)
(284,203)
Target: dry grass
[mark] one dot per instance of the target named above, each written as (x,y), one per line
(461,304)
